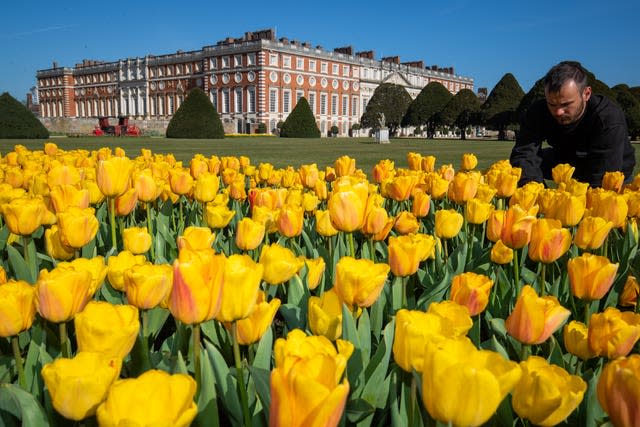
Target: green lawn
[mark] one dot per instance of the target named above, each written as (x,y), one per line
(293,151)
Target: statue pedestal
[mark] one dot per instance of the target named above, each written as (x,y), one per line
(382,136)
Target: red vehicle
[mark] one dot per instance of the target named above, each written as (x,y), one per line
(123,128)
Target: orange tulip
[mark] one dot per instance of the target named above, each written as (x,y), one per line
(535,318)
(613,181)
(420,204)
(345,166)
(290,220)
(399,188)
(495,223)
(618,391)
(592,232)
(469,161)
(613,333)
(471,290)
(549,241)
(126,202)
(591,276)
(630,292)
(406,223)
(463,187)
(516,230)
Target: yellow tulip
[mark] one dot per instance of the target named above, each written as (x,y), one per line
(471,290)
(454,368)
(469,161)
(62,293)
(306,387)
(347,208)
(324,227)
(546,394)
(399,188)
(63,175)
(309,175)
(95,266)
(618,391)
(562,173)
(613,333)
(435,185)
(358,282)
(501,253)
(420,204)
(414,160)
(569,209)
(549,240)
(112,176)
(77,226)
(592,232)
(406,223)
(344,166)
(23,215)
(249,234)
(118,264)
(146,186)
(630,292)
(181,181)
(206,187)
(495,223)
(128,401)
(54,246)
(3,276)
(383,170)
(428,163)
(527,195)
(414,330)
(463,187)
(325,315)
(136,240)
(196,238)
(290,220)
(106,328)
(63,196)
(375,218)
(613,181)
(608,205)
(265,216)
(485,192)
(77,386)
(241,283)
(406,252)
(310,202)
(17,307)
(448,223)
(535,318)
(252,328)
(516,229)
(457,315)
(218,216)
(126,202)
(477,211)
(197,285)
(198,165)
(575,337)
(148,285)
(280,264)
(591,276)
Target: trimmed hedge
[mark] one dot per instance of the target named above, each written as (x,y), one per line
(196,118)
(17,122)
(301,123)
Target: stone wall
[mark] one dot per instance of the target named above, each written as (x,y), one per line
(85,126)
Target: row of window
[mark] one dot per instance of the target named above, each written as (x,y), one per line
(174,69)
(244,100)
(339,105)
(287,62)
(50,81)
(233,61)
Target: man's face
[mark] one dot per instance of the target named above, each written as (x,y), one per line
(568,104)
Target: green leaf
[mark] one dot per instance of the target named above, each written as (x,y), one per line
(19,266)
(157,317)
(261,379)
(376,389)
(22,405)
(355,364)
(207,399)
(364,336)
(264,351)
(293,316)
(225,384)
(358,409)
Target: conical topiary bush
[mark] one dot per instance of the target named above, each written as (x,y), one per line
(196,118)
(16,121)
(301,123)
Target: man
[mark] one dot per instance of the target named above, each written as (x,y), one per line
(587,131)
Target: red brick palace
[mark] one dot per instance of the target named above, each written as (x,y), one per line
(253,79)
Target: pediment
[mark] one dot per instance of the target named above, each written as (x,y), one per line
(397,79)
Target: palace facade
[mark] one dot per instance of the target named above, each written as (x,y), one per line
(250,80)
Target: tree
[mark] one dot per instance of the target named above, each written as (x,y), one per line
(196,118)
(635,91)
(537,92)
(300,123)
(16,121)
(424,109)
(631,107)
(462,110)
(499,110)
(391,100)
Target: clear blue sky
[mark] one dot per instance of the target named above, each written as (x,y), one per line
(481,39)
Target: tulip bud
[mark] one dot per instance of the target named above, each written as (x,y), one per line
(106,328)
(591,276)
(136,240)
(280,264)
(448,223)
(325,315)
(249,234)
(148,285)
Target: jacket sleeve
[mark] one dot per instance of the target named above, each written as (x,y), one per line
(526,151)
(606,152)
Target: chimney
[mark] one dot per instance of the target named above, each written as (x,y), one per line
(55,64)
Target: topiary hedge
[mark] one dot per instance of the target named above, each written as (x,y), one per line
(301,123)
(16,121)
(196,118)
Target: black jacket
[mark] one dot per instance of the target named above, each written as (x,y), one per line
(596,144)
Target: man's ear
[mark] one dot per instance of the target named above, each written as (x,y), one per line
(586,93)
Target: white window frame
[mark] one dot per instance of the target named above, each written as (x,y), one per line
(237,100)
(334,105)
(273,59)
(335,69)
(312,102)
(225,100)
(225,62)
(312,65)
(345,105)
(286,101)
(299,63)
(286,61)
(324,67)
(323,103)
(237,61)
(273,100)
(251,99)
(251,58)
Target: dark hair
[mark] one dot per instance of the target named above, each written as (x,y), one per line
(563,72)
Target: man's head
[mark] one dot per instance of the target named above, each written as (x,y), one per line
(567,92)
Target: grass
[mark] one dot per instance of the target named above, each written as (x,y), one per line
(282,152)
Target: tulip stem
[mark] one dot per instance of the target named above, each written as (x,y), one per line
(543,284)
(524,352)
(240,376)
(372,250)
(516,271)
(196,356)
(150,229)
(404,284)
(64,340)
(112,221)
(352,249)
(412,403)
(587,312)
(22,381)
